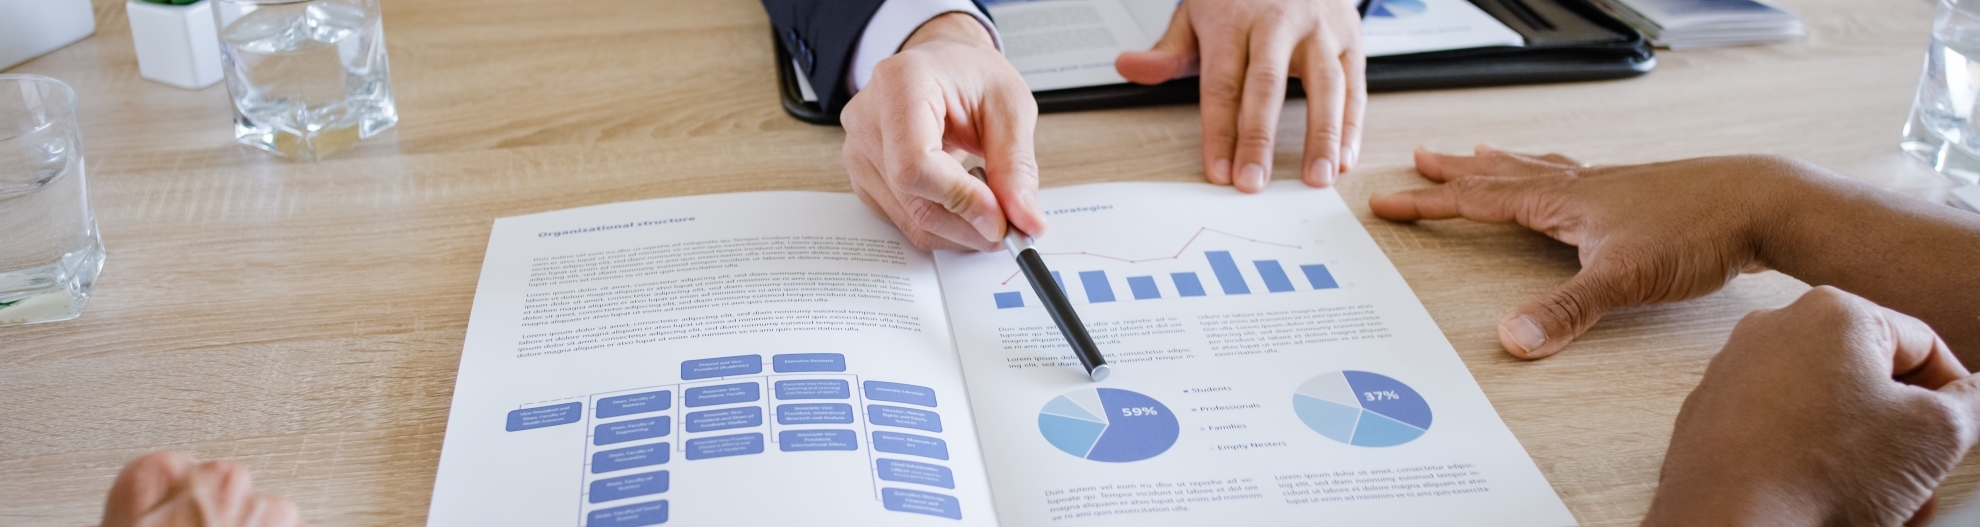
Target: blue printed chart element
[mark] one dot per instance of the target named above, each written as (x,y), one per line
(1107,424)
(1362,409)
(1396,8)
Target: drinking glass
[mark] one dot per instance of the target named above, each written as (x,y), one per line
(1942,130)
(308,77)
(49,249)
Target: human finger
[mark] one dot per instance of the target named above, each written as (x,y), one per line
(274,511)
(142,485)
(1222,85)
(888,203)
(1485,161)
(1476,199)
(227,483)
(1356,76)
(916,166)
(1543,326)
(1264,92)
(1008,119)
(1327,100)
(1172,57)
(1919,357)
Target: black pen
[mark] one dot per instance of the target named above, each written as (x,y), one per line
(1056,303)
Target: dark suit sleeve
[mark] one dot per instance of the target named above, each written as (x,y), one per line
(821,37)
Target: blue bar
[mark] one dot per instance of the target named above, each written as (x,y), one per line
(900,393)
(623,487)
(815,440)
(1227,273)
(808,362)
(633,430)
(1274,275)
(724,446)
(1187,284)
(1318,275)
(1097,288)
(629,457)
(919,502)
(635,515)
(542,416)
(721,367)
(637,403)
(912,472)
(1009,300)
(1143,287)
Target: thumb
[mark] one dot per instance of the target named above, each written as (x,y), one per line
(1009,118)
(1545,325)
(1172,57)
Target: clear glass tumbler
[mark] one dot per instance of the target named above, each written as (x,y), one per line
(49,250)
(308,77)
(1943,130)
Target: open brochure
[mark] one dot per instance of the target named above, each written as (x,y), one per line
(1057,44)
(788,358)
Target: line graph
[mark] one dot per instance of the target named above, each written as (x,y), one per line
(1228,276)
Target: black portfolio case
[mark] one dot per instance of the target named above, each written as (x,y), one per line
(1566,40)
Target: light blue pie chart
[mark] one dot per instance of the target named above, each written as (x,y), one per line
(1362,409)
(1108,424)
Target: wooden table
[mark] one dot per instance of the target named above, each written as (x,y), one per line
(306,319)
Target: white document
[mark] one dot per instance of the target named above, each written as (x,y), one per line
(787,358)
(1058,44)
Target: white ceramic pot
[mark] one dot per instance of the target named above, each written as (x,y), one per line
(176,44)
(30,28)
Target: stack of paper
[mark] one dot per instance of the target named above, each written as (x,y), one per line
(1680,24)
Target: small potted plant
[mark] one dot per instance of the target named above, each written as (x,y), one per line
(177,43)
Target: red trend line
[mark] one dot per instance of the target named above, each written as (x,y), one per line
(1177,255)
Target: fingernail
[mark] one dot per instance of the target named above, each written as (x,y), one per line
(1526,333)
(1323,169)
(1221,171)
(987,226)
(1353,157)
(1255,174)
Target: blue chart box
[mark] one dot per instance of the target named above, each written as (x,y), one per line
(742,392)
(928,503)
(910,444)
(724,419)
(623,487)
(912,472)
(884,415)
(637,403)
(900,393)
(724,446)
(635,515)
(721,367)
(814,389)
(634,430)
(815,414)
(543,416)
(629,457)
(807,440)
(807,362)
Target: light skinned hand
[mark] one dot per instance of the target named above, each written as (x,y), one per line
(1244,51)
(168,489)
(1660,232)
(1830,411)
(947,93)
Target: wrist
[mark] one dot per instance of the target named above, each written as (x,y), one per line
(953,27)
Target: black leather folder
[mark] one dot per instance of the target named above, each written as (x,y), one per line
(1566,41)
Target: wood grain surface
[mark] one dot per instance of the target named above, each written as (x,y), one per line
(307,319)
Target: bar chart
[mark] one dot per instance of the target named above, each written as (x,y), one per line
(1226,274)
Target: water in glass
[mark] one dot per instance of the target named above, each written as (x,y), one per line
(308,77)
(1943,130)
(49,250)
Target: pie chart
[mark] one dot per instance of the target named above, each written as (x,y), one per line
(1107,424)
(1362,409)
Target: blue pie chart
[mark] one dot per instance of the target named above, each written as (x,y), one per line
(1396,8)
(1362,409)
(1108,424)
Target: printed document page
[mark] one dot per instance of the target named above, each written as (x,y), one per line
(1270,367)
(1058,44)
(742,359)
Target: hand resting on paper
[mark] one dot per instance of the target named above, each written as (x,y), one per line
(1243,51)
(1666,232)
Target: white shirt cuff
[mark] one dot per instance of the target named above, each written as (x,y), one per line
(891,26)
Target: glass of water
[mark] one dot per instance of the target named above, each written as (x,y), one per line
(308,77)
(49,249)
(1943,130)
